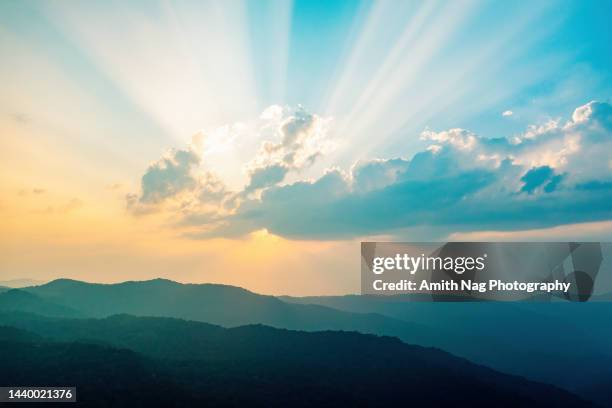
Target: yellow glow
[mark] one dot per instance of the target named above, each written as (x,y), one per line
(42,237)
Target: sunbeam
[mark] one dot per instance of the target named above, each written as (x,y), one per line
(184,65)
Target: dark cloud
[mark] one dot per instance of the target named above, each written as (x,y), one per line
(267,176)
(540,177)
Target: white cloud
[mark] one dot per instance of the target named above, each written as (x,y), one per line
(296,140)
(178,182)
(459,138)
(553,174)
(281,140)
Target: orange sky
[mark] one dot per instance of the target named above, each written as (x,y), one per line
(46,236)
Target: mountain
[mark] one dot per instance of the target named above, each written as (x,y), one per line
(220,304)
(585,324)
(134,361)
(104,376)
(14,334)
(20,300)
(20,283)
(562,343)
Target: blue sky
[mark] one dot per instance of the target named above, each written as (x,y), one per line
(539,60)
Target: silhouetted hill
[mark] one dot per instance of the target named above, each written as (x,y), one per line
(20,300)
(197,363)
(220,304)
(566,344)
(9,333)
(562,343)
(104,377)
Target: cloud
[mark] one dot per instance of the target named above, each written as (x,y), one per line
(177,181)
(169,176)
(290,140)
(598,231)
(261,177)
(553,174)
(298,139)
(540,177)
(507,113)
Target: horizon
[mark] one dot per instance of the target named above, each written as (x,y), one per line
(276,295)
(43,283)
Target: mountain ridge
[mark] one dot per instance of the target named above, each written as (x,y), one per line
(540,341)
(256,363)
(225,305)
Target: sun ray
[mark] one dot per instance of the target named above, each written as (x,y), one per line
(184,65)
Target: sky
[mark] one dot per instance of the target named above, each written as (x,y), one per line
(257,143)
